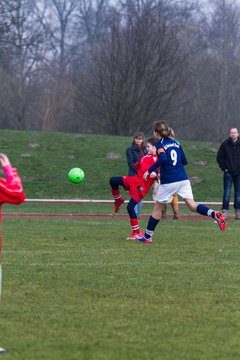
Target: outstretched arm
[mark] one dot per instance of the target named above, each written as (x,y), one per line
(11,190)
(4,159)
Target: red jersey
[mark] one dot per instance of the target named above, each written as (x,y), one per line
(137,187)
(11,189)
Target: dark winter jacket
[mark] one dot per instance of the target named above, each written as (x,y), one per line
(134,154)
(228,156)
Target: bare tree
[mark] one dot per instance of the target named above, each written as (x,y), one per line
(214,71)
(54,107)
(134,74)
(224,38)
(92,17)
(57,18)
(115,67)
(20,55)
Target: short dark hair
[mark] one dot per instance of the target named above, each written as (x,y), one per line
(152,141)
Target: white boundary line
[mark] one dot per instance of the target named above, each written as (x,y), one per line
(92,201)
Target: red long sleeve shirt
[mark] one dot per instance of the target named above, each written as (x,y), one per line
(11,189)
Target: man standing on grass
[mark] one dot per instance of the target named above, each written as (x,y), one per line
(228,158)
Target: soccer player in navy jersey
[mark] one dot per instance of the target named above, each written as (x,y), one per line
(174,180)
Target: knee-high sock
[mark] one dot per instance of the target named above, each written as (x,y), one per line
(135,226)
(115,181)
(204,210)
(152,223)
(131,208)
(116,194)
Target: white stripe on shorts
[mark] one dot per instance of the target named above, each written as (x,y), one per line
(166,191)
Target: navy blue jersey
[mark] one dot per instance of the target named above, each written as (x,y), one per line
(171,160)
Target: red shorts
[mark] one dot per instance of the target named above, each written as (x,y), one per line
(136,186)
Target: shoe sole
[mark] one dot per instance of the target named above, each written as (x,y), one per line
(145,241)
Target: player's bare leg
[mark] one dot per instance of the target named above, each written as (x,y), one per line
(158,210)
(175,207)
(164,211)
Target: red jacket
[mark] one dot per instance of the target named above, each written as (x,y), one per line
(11,189)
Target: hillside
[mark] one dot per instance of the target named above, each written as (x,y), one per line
(44,159)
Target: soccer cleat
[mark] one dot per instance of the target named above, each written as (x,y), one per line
(220,220)
(118,203)
(141,237)
(132,236)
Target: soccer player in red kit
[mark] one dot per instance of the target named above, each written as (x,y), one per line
(11,189)
(137,187)
(11,192)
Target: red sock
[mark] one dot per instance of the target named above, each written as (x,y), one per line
(135,226)
(116,194)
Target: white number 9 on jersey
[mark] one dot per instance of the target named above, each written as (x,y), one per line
(173,155)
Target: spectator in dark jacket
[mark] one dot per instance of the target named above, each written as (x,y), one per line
(134,154)
(228,158)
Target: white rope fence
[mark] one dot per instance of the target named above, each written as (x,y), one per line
(93,201)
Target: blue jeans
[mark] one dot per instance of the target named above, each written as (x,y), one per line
(228,180)
(138,209)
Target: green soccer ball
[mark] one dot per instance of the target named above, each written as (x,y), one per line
(76,175)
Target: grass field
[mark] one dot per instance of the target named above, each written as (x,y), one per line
(86,209)
(76,289)
(44,159)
